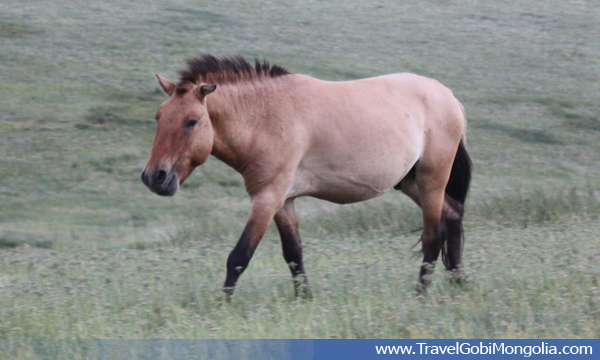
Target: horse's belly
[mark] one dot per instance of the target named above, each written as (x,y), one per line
(345,193)
(346,184)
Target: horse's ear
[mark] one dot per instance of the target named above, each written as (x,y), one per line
(204,90)
(165,84)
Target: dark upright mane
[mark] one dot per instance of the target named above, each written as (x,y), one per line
(213,70)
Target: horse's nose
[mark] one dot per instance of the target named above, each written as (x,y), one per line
(161,176)
(145,178)
(161,181)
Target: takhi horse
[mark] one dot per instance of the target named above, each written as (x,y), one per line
(291,135)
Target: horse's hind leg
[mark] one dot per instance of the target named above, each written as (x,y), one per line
(432,236)
(432,200)
(431,176)
(427,192)
(287,224)
(451,229)
(453,214)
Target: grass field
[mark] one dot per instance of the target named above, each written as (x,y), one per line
(86,251)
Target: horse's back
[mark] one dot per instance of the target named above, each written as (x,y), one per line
(401,100)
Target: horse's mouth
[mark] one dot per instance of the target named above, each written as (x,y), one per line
(163,187)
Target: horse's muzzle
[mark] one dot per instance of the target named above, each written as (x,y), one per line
(162,182)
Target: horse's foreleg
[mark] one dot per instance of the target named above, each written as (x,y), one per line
(264,207)
(287,224)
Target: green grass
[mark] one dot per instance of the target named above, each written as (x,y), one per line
(538,282)
(86,251)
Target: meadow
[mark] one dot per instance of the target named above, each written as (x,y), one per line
(87,252)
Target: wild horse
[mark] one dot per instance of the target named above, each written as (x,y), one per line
(291,135)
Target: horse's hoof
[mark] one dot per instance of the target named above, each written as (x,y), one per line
(421,289)
(425,276)
(226,295)
(304,293)
(458,277)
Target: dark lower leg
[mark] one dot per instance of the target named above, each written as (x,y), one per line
(264,205)
(287,224)
(238,260)
(453,212)
(431,240)
(432,177)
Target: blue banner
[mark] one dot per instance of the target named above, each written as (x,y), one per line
(296,349)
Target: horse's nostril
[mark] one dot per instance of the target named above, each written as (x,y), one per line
(161,176)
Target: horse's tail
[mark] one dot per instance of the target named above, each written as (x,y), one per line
(460,175)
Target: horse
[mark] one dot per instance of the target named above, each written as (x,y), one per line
(291,135)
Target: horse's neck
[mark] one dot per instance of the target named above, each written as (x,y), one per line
(236,112)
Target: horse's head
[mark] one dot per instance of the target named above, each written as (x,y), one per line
(184,136)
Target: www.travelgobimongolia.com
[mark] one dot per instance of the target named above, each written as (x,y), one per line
(483,349)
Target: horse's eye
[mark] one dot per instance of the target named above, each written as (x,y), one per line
(190,124)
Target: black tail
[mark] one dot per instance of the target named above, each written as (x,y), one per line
(460,176)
